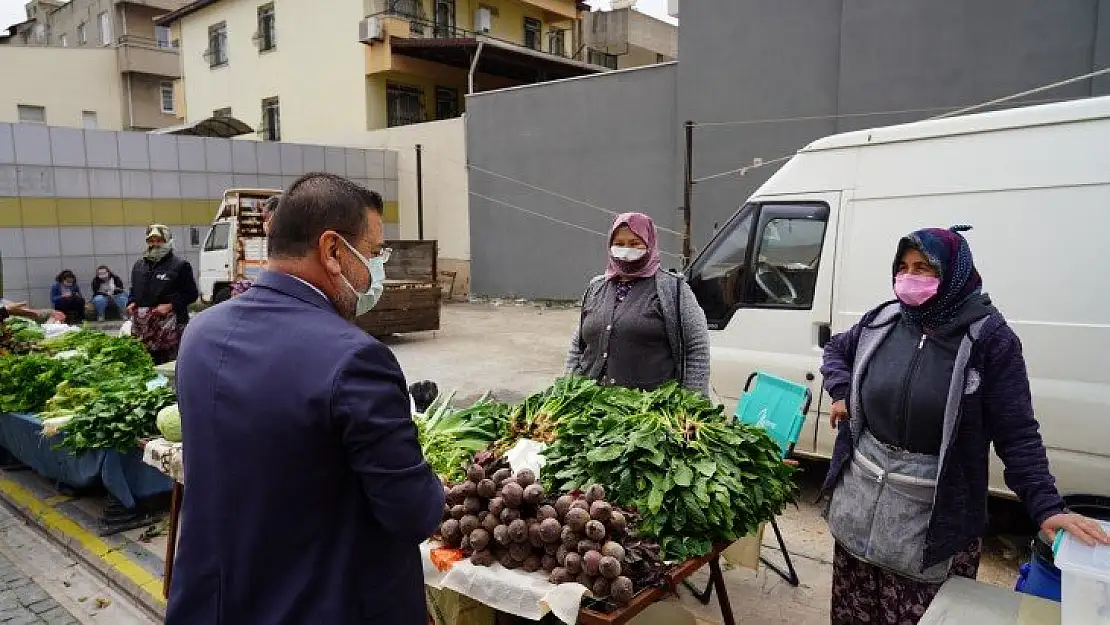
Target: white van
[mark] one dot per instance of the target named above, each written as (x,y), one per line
(235,247)
(811,252)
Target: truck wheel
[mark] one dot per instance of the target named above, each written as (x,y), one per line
(222,295)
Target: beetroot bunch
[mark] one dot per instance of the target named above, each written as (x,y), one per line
(507,519)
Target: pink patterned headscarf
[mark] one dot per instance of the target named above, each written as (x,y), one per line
(642,226)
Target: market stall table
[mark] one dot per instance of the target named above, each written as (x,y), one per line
(963,601)
(166,457)
(123,475)
(530,596)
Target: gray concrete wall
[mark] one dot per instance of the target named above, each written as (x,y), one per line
(842,65)
(75,199)
(607,140)
(745,60)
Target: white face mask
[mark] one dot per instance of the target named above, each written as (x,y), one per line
(627,254)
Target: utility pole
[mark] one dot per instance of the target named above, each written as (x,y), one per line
(687,194)
(419,192)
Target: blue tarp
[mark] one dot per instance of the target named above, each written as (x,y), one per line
(124,476)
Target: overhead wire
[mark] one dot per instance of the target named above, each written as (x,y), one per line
(961,111)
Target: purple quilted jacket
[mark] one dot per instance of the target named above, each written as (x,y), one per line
(1001,411)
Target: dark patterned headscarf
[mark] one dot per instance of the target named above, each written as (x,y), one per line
(240,286)
(948,252)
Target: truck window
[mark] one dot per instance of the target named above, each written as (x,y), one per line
(773,267)
(217,238)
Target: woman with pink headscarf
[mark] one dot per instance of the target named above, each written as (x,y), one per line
(640,327)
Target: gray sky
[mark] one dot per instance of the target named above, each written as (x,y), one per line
(11,11)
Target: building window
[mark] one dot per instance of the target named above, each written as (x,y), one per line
(166,90)
(557,41)
(62,39)
(532,28)
(445,19)
(447,103)
(224,112)
(88,120)
(30,114)
(267,31)
(404,105)
(271,120)
(105,28)
(217,45)
(596,57)
(194,237)
(82,34)
(162,36)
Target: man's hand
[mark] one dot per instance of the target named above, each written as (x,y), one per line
(16,308)
(58,316)
(163,309)
(837,413)
(1088,531)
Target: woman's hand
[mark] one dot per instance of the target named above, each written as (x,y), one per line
(1088,531)
(163,309)
(837,413)
(58,316)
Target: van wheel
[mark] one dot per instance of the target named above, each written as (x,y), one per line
(222,295)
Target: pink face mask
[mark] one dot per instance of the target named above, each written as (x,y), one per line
(915,290)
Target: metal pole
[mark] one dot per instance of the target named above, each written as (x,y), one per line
(687,193)
(420,191)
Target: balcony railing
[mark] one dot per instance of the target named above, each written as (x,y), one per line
(148,56)
(423,27)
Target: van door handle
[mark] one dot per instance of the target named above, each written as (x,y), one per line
(824,334)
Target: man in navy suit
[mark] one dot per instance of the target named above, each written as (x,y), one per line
(306,494)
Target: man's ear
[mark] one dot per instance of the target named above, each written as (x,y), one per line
(327,251)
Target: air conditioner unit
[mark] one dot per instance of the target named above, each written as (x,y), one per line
(483,20)
(370,30)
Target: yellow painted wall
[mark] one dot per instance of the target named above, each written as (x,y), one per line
(317,68)
(66,81)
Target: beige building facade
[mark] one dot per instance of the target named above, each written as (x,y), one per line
(84,89)
(145,55)
(626,38)
(295,72)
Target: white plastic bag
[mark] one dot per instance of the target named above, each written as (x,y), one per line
(125,329)
(527,454)
(50,330)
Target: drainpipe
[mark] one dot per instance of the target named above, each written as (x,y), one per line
(474,67)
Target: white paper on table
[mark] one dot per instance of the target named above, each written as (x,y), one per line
(527,595)
(51,330)
(527,454)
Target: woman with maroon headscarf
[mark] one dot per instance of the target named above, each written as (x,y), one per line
(640,327)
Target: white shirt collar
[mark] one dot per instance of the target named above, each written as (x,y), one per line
(309,285)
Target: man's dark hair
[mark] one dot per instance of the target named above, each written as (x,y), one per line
(315,203)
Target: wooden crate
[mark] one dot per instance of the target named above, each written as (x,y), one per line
(404,307)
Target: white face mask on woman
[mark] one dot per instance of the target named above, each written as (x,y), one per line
(627,254)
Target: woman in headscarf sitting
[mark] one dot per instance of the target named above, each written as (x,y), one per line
(922,386)
(640,327)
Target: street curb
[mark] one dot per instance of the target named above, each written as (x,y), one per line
(117,570)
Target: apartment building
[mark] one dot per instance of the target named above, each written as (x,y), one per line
(294,71)
(625,38)
(146,61)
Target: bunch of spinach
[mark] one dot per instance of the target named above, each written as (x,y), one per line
(537,417)
(118,418)
(450,437)
(27,382)
(18,336)
(695,475)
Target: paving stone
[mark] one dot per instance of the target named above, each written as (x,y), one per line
(57,616)
(43,606)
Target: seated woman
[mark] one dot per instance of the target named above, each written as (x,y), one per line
(107,289)
(66,297)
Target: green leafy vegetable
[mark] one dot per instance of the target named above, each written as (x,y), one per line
(696,475)
(117,420)
(449,437)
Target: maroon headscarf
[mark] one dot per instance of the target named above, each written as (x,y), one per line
(642,226)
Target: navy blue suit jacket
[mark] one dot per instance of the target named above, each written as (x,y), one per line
(306,494)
